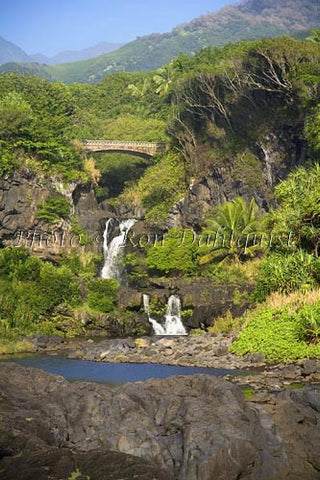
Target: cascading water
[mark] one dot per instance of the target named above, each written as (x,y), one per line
(113,249)
(173,324)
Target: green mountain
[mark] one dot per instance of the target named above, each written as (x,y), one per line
(9,52)
(249,20)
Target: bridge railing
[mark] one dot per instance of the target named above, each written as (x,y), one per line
(122,143)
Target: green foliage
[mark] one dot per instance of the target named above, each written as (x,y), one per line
(16,120)
(286,272)
(36,122)
(119,171)
(81,263)
(161,185)
(16,117)
(102,295)
(53,209)
(133,127)
(312,128)
(24,301)
(233,222)
(299,211)
(315,37)
(76,228)
(196,332)
(309,317)
(175,254)
(10,346)
(31,290)
(249,169)
(12,261)
(278,334)
(223,86)
(77,475)
(164,78)
(58,285)
(136,267)
(226,324)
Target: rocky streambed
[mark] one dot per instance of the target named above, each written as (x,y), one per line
(199,351)
(182,428)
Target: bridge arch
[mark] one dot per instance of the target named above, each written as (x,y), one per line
(141,149)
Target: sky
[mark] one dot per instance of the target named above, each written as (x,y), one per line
(50,26)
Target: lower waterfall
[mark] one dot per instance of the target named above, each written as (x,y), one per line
(172,324)
(113,249)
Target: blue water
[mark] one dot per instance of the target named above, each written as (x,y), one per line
(112,373)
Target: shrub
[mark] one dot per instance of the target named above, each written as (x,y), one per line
(102,295)
(58,285)
(309,317)
(175,254)
(285,273)
(278,334)
(12,260)
(53,209)
(226,324)
(298,213)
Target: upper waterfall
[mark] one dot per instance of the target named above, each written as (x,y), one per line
(113,248)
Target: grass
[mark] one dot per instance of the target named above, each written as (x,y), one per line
(248,392)
(9,347)
(294,299)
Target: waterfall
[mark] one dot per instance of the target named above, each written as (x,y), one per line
(146,303)
(173,324)
(113,249)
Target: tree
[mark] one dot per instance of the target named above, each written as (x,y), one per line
(16,117)
(314,37)
(164,78)
(230,228)
(140,89)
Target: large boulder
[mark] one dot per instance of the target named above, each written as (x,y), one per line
(186,428)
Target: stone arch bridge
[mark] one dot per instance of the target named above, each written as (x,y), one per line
(142,149)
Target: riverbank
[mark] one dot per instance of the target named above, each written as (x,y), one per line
(193,351)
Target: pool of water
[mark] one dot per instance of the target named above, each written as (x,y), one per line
(111,373)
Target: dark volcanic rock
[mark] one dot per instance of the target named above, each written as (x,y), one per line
(206,298)
(276,154)
(185,428)
(20,195)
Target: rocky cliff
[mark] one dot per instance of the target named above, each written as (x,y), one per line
(251,175)
(20,196)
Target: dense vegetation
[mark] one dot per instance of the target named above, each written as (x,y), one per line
(32,288)
(66,298)
(249,20)
(41,121)
(197,106)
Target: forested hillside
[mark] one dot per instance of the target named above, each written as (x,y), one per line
(248,20)
(242,126)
